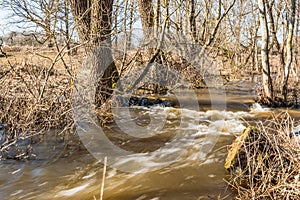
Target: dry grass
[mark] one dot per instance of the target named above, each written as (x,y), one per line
(36,93)
(267,165)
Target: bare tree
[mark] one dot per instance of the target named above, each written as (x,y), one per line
(217,24)
(266,73)
(289,47)
(94,25)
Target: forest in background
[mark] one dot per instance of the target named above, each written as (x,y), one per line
(244,37)
(38,65)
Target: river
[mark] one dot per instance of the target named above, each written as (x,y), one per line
(71,172)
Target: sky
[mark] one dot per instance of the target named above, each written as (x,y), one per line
(6,16)
(5,27)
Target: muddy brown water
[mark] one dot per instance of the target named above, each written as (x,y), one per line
(61,172)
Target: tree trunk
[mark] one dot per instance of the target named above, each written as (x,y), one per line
(67,27)
(82,17)
(131,21)
(269,6)
(266,73)
(116,16)
(157,16)
(101,22)
(147,16)
(94,25)
(289,48)
(193,27)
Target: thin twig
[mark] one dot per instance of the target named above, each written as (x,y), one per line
(103,178)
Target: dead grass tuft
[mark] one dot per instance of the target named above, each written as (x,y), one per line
(267,163)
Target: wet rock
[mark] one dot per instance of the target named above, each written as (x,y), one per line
(148,102)
(144,101)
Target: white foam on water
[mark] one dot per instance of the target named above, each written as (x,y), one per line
(228,127)
(138,163)
(71,192)
(16,193)
(42,184)
(212,175)
(89,175)
(111,173)
(193,134)
(221,127)
(225,115)
(257,108)
(190,126)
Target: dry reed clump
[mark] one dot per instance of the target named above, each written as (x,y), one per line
(34,98)
(266,164)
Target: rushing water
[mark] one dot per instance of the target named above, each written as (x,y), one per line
(60,172)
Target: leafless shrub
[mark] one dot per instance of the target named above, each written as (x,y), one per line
(267,164)
(33,100)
